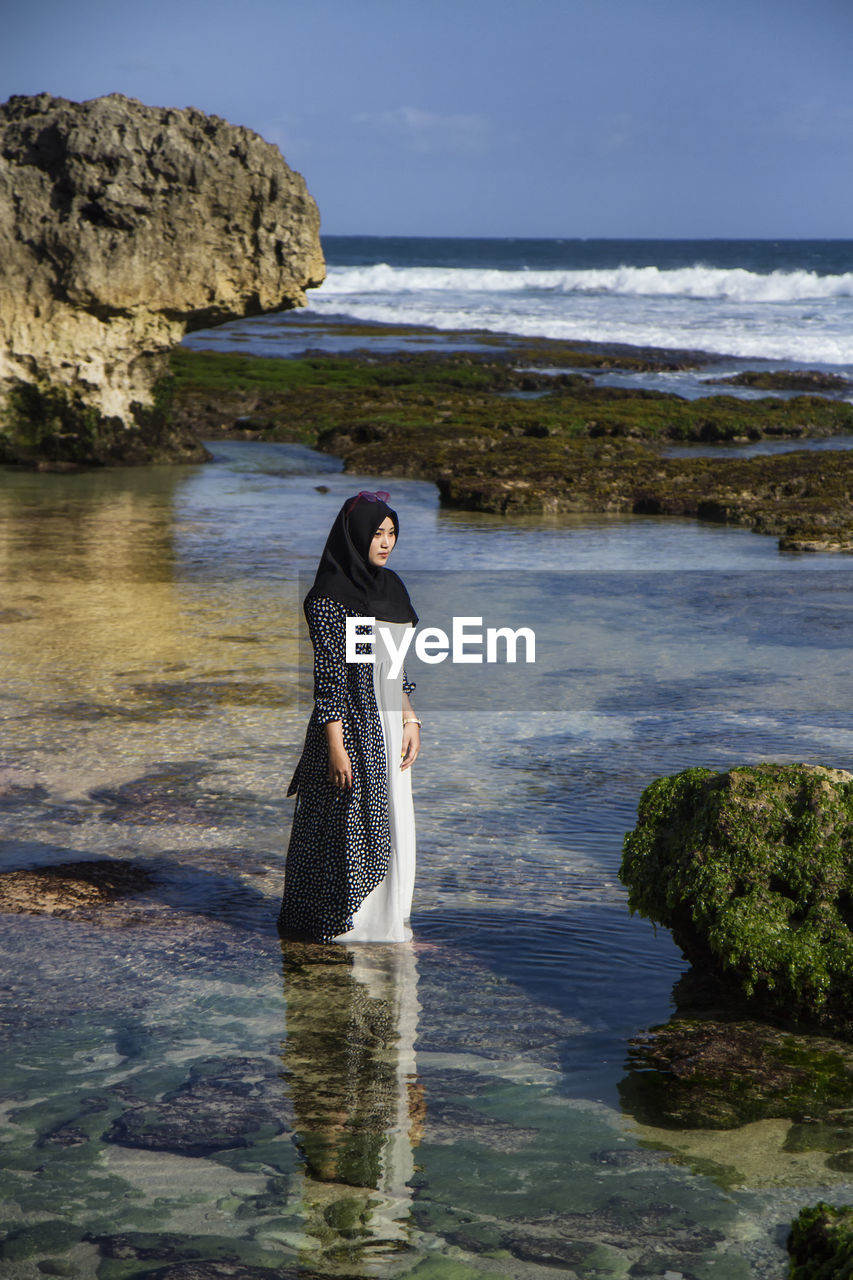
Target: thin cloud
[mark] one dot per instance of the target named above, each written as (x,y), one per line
(287,133)
(428,130)
(817,121)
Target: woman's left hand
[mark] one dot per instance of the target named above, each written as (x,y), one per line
(411,745)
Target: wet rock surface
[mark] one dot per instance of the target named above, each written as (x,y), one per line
(222,1105)
(73,889)
(123,226)
(752,870)
(787,380)
(713,1074)
(208,1270)
(821,1242)
(576,447)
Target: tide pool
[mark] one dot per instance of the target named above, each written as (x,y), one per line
(181,1090)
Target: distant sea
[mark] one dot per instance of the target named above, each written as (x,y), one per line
(777,300)
(759,303)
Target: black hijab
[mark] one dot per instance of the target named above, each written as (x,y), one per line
(345,573)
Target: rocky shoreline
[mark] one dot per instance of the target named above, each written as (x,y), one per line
(497,430)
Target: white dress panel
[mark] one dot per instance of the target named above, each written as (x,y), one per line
(383,915)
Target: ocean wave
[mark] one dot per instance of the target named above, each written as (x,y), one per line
(702,282)
(730,334)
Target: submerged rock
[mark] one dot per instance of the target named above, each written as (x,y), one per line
(450,1122)
(123,226)
(71,889)
(752,870)
(208,1270)
(178,1257)
(224,1104)
(22,1242)
(713,1074)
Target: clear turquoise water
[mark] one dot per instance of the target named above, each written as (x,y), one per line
(178,1086)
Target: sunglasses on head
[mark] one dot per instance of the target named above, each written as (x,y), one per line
(379,496)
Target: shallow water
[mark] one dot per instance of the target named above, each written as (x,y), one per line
(759,448)
(698,383)
(179,1085)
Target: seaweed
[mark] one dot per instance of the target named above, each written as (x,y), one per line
(752,872)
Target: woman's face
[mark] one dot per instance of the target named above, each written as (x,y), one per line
(382,543)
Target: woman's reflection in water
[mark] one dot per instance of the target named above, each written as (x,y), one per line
(352,1017)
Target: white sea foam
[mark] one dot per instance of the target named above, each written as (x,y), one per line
(791,315)
(729,335)
(698,281)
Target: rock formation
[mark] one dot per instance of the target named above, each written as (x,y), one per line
(752,870)
(122,227)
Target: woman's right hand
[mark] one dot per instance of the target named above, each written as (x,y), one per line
(340,767)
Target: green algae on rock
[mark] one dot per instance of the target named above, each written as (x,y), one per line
(752,872)
(53,428)
(786,380)
(821,1243)
(577,447)
(289,399)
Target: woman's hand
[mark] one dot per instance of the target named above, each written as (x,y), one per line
(340,768)
(340,765)
(411,745)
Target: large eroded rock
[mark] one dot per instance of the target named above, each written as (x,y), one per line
(122,227)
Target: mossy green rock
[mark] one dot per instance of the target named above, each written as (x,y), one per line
(752,870)
(787,380)
(821,1243)
(52,1236)
(457,419)
(53,428)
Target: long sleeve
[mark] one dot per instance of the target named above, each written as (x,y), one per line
(327,628)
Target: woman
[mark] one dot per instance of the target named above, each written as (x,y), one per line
(351,861)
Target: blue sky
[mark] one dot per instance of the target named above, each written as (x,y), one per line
(646,118)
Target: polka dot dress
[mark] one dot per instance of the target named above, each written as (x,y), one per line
(340,840)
